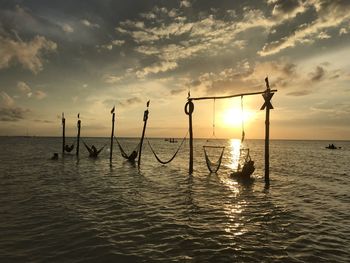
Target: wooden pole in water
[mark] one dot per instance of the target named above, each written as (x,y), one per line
(145,118)
(189,108)
(267,105)
(267,146)
(63,133)
(78,136)
(112,135)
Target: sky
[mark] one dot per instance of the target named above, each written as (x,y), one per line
(85,56)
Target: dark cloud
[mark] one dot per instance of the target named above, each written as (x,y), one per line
(44,121)
(318,74)
(13,114)
(177,91)
(299,93)
(130,101)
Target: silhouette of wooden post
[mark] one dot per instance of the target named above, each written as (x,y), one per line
(78,136)
(63,133)
(112,135)
(145,118)
(267,105)
(189,108)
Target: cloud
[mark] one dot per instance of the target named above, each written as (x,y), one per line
(343,31)
(171,39)
(323,35)
(44,121)
(24,88)
(8,111)
(67,28)
(156,68)
(118,42)
(318,74)
(39,94)
(130,101)
(6,100)
(246,77)
(12,114)
(28,54)
(329,15)
(286,9)
(111,79)
(110,45)
(185,3)
(299,93)
(87,23)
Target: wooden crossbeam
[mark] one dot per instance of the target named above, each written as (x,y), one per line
(232,96)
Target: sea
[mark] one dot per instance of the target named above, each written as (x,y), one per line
(93,210)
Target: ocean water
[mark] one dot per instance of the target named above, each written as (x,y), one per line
(85,210)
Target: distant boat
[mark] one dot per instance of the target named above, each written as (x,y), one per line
(171,140)
(332,147)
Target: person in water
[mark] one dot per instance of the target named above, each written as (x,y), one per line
(68,148)
(55,156)
(132,156)
(93,152)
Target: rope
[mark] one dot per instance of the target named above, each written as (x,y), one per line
(242,116)
(211,164)
(214,118)
(173,157)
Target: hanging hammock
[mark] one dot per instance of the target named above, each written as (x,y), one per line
(93,152)
(130,157)
(247,169)
(173,157)
(68,148)
(213,167)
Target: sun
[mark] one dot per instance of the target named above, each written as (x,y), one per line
(233,117)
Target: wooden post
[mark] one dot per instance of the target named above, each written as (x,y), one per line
(267,105)
(267,146)
(78,136)
(189,108)
(145,118)
(63,133)
(112,135)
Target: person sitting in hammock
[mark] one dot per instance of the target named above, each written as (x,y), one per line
(93,152)
(68,148)
(132,156)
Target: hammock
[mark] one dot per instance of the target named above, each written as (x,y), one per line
(247,169)
(93,152)
(213,167)
(173,157)
(68,148)
(133,154)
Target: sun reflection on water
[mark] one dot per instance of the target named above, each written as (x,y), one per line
(235,207)
(235,146)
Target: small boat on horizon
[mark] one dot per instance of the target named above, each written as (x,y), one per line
(332,147)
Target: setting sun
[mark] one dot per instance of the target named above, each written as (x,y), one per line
(233,117)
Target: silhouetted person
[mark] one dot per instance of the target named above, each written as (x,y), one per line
(93,152)
(132,156)
(68,148)
(55,156)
